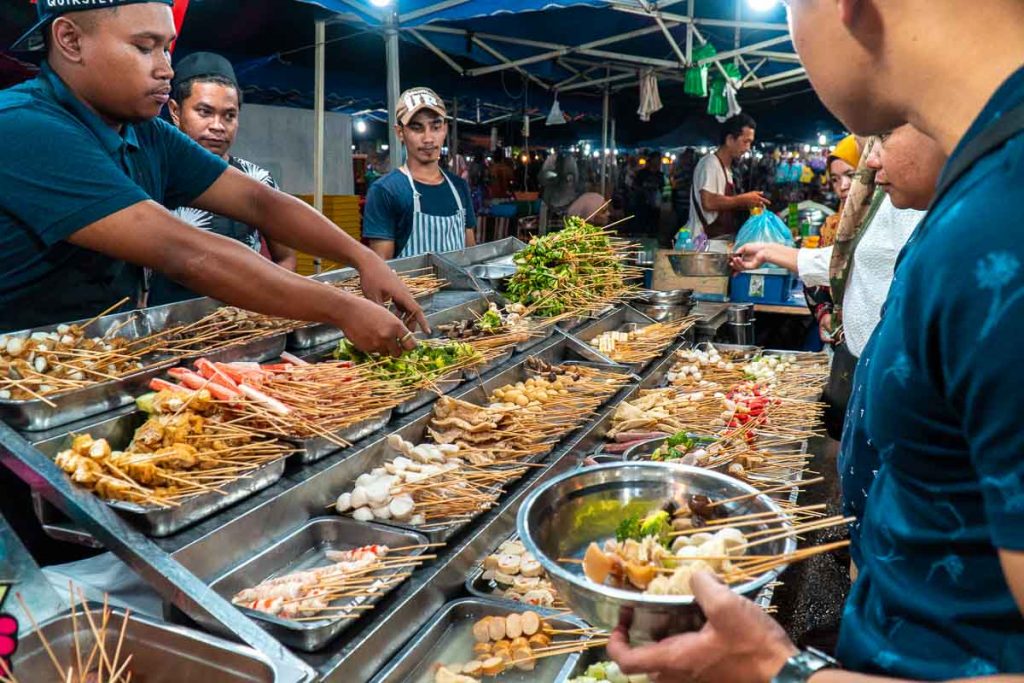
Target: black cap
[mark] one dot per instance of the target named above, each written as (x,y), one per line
(48,10)
(200,64)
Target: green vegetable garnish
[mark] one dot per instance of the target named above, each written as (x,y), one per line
(681,439)
(629,528)
(636,527)
(426,362)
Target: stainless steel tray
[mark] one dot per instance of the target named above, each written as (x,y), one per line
(448,639)
(488,252)
(154,521)
(444,385)
(318,447)
(301,550)
(488,589)
(621,319)
(161,653)
(308,336)
(100,397)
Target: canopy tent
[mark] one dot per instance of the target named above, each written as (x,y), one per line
(623,41)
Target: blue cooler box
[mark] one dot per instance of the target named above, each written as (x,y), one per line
(762,286)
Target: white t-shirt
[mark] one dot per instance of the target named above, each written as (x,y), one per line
(708,175)
(873,263)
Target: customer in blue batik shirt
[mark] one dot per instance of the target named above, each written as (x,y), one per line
(940,545)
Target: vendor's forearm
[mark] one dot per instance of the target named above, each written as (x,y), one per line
(281,218)
(836,676)
(291,221)
(148,235)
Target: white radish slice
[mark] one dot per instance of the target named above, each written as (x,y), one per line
(359,498)
(362,514)
(401,507)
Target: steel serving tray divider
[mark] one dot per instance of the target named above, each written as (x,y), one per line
(305,549)
(100,397)
(152,644)
(488,252)
(448,639)
(151,520)
(489,589)
(309,336)
(622,319)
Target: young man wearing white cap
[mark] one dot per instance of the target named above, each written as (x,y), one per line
(419,207)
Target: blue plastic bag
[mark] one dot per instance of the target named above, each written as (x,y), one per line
(764,227)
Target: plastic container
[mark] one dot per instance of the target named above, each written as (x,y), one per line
(761,286)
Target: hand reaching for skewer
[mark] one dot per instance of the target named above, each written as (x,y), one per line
(380,284)
(739,643)
(374,329)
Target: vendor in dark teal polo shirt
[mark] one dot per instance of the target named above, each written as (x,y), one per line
(933,448)
(88,175)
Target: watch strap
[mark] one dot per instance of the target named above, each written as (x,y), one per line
(801,666)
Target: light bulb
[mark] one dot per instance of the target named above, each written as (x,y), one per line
(360,126)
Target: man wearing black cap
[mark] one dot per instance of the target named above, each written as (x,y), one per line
(88,173)
(205,105)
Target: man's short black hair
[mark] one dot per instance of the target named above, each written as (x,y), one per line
(182,91)
(734,126)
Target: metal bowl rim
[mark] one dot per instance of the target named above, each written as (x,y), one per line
(619,594)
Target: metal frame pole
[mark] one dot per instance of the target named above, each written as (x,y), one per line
(320,52)
(167,576)
(394,90)
(604,140)
(453,145)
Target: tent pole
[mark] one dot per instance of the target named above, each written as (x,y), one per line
(453,146)
(320,30)
(391,50)
(604,141)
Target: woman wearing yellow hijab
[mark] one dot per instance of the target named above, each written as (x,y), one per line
(841,167)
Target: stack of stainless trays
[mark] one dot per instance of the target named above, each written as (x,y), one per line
(310,336)
(160,653)
(102,396)
(448,639)
(499,252)
(305,549)
(340,477)
(152,520)
(622,319)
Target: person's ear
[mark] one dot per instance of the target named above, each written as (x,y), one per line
(174,111)
(401,133)
(848,10)
(67,38)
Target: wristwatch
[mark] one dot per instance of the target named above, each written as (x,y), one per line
(800,667)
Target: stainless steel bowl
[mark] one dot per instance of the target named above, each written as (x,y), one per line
(699,264)
(665,313)
(494,274)
(562,517)
(667,296)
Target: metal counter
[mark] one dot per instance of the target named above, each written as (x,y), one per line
(182,566)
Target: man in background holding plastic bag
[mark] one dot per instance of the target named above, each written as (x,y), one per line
(714,203)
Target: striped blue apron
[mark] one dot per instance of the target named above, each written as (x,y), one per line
(434,233)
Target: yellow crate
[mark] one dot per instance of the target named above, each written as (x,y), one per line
(343,211)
